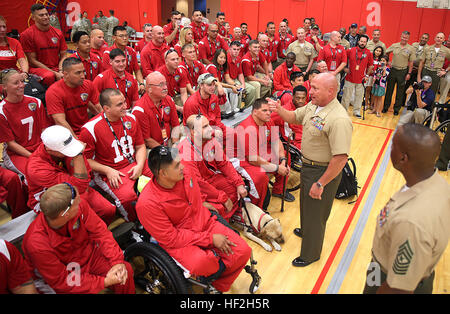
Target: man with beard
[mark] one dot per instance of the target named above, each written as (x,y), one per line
(360,65)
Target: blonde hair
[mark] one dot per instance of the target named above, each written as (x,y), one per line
(183,35)
(55,200)
(5,75)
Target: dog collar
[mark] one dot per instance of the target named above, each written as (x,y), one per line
(259,222)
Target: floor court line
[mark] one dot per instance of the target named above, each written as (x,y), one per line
(344,231)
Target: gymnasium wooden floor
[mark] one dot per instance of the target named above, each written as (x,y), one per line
(348,239)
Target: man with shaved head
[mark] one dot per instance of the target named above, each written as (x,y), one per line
(210,43)
(98,44)
(204,158)
(433,59)
(156,112)
(412,229)
(326,140)
(334,54)
(152,56)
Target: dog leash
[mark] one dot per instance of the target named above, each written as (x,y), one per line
(258,229)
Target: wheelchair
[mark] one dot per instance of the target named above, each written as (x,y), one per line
(155,271)
(295,157)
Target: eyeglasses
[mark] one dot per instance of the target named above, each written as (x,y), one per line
(160,85)
(74,195)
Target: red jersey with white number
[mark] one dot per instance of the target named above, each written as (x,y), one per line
(9,54)
(153,119)
(47,45)
(73,102)
(101,144)
(23,122)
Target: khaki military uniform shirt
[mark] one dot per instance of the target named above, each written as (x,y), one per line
(325,133)
(401,55)
(371,45)
(304,54)
(412,232)
(345,43)
(435,61)
(419,53)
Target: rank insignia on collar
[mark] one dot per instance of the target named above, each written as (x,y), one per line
(403,259)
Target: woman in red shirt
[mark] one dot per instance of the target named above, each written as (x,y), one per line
(218,68)
(11,52)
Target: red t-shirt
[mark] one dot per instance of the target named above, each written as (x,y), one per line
(92,65)
(192,72)
(209,107)
(207,49)
(332,56)
(130,55)
(10,53)
(219,73)
(73,102)
(23,122)
(47,45)
(359,60)
(249,64)
(175,80)
(284,42)
(263,135)
(153,119)
(274,43)
(168,29)
(127,84)
(101,144)
(199,31)
(152,57)
(234,67)
(14,270)
(281,77)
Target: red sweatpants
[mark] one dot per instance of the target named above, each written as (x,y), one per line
(48,78)
(203,262)
(260,180)
(14,191)
(104,209)
(221,183)
(125,193)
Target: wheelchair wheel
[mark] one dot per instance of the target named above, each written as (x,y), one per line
(442,129)
(155,272)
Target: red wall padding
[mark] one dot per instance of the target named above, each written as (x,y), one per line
(396,16)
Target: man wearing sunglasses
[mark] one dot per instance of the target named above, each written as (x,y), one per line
(171,209)
(71,249)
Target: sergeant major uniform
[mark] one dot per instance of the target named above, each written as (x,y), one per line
(304,52)
(327,131)
(401,58)
(433,63)
(411,236)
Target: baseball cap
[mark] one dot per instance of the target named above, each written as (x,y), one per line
(59,138)
(206,78)
(315,26)
(427,79)
(354,25)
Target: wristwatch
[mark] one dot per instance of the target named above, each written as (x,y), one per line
(319,185)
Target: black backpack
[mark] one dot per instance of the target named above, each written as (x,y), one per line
(34,89)
(348,186)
